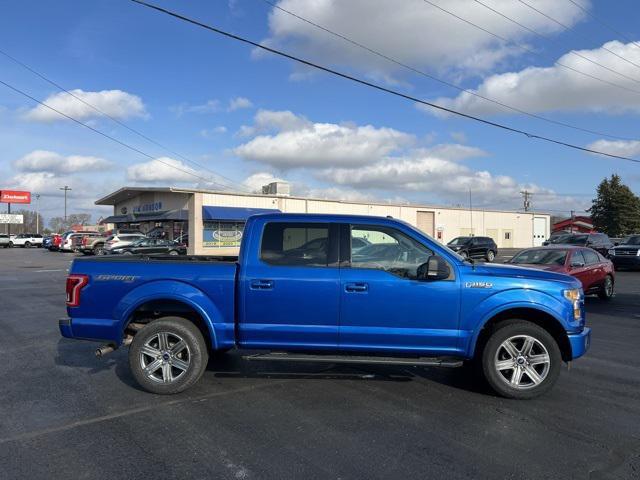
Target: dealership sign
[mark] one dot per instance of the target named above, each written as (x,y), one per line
(11,218)
(14,196)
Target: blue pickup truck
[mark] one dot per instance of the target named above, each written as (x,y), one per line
(329,288)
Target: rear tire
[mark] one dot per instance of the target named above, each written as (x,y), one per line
(173,252)
(490,256)
(27,244)
(521,360)
(168,356)
(607,290)
(98,250)
(10,244)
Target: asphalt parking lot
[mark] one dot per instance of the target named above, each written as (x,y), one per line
(66,414)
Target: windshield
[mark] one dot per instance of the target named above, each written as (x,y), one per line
(561,238)
(541,257)
(631,240)
(459,241)
(576,240)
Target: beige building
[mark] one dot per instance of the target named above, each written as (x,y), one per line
(214,221)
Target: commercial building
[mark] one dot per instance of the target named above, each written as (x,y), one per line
(214,221)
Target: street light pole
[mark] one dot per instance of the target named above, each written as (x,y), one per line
(37,214)
(66,189)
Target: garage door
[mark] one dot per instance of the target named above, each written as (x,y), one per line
(425,222)
(539,231)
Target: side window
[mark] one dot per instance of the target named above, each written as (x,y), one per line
(577,258)
(590,257)
(295,244)
(387,249)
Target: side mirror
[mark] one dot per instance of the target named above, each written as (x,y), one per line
(577,264)
(615,244)
(435,268)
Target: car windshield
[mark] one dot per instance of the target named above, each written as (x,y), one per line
(576,240)
(559,238)
(459,241)
(631,240)
(541,257)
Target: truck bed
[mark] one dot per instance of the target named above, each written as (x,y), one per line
(161,257)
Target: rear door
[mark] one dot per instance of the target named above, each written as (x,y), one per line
(595,267)
(383,306)
(289,288)
(579,269)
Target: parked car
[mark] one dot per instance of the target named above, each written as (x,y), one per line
(556,238)
(627,254)
(121,240)
(46,241)
(595,272)
(600,242)
(151,246)
(474,247)
(4,240)
(426,306)
(56,241)
(71,241)
(26,240)
(92,244)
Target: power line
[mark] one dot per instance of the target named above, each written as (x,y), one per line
(606,25)
(568,28)
(444,82)
(379,87)
(527,49)
(99,132)
(113,119)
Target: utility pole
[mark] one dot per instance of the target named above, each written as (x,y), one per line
(573,219)
(37,214)
(66,189)
(527,203)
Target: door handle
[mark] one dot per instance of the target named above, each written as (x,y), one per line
(261,285)
(356,287)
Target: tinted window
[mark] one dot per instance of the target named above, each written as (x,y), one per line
(295,244)
(541,256)
(590,257)
(459,241)
(389,250)
(632,240)
(576,239)
(577,258)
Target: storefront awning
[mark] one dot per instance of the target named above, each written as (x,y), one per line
(164,216)
(232,213)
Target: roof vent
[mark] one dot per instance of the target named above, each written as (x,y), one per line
(282,189)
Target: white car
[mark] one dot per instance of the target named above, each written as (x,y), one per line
(26,240)
(121,240)
(4,240)
(71,241)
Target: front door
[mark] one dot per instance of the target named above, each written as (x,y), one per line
(383,305)
(289,294)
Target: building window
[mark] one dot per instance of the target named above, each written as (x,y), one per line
(222,234)
(507,235)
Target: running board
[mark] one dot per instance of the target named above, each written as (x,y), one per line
(371,360)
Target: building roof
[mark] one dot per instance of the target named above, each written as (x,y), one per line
(125,193)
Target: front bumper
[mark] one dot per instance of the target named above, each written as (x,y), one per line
(580,343)
(628,261)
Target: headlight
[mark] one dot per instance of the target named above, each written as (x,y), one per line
(638,253)
(612,251)
(575,296)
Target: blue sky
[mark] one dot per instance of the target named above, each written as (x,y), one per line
(252,117)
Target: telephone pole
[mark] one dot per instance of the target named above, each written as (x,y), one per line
(526,196)
(66,189)
(37,213)
(471,212)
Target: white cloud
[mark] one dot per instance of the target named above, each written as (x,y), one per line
(453,151)
(163,169)
(629,148)
(412,32)
(212,132)
(555,88)
(114,103)
(256,181)
(239,103)
(210,106)
(300,143)
(46,161)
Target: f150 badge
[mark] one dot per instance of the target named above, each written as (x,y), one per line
(478,285)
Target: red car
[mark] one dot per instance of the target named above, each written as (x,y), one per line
(592,269)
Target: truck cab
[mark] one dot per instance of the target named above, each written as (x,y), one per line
(353,289)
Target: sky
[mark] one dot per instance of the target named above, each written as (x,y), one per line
(211,112)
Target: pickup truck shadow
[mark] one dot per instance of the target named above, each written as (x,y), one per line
(231,365)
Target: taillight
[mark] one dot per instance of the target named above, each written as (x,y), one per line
(75,283)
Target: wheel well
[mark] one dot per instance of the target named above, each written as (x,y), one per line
(155,309)
(540,318)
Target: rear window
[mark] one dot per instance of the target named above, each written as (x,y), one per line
(295,244)
(590,257)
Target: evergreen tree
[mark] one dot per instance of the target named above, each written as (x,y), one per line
(616,210)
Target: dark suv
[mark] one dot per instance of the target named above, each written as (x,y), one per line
(600,242)
(474,247)
(627,254)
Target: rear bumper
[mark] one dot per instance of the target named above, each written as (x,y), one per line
(580,343)
(95,329)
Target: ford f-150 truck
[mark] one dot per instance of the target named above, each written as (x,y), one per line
(300,291)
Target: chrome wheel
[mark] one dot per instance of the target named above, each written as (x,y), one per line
(165,357)
(522,362)
(490,256)
(608,286)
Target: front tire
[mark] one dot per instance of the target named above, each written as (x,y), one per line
(27,244)
(607,290)
(521,360)
(168,356)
